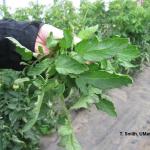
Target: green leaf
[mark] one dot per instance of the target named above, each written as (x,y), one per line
(107,65)
(93,50)
(40,67)
(25,53)
(129,53)
(86,45)
(51,42)
(71,143)
(35,113)
(67,65)
(59,90)
(103,64)
(88,32)
(67,138)
(85,101)
(67,41)
(77,57)
(38,82)
(102,80)
(65,130)
(93,90)
(106,106)
(51,84)
(81,84)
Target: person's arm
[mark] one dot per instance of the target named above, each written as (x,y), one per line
(25,32)
(29,34)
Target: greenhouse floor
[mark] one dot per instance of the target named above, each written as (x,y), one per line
(97,131)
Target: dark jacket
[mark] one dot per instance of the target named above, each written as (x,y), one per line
(24,32)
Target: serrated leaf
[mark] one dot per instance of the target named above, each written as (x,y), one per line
(88,32)
(35,113)
(85,101)
(25,53)
(39,67)
(72,143)
(102,80)
(86,45)
(67,65)
(67,138)
(106,106)
(82,85)
(69,142)
(65,130)
(129,53)
(93,50)
(77,57)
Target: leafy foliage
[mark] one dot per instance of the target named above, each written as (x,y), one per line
(106,106)
(128,19)
(68,139)
(23,51)
(14,107)
(87,32)
(66,65)
(39,99)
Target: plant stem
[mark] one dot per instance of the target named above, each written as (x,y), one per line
(67,112)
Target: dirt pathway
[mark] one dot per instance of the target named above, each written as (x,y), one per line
(97,131)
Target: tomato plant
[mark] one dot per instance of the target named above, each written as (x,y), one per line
(39,99)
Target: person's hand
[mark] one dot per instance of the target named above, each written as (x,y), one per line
(44,33)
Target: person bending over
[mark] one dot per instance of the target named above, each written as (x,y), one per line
(29,34)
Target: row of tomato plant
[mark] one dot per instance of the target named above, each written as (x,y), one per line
(124,18)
